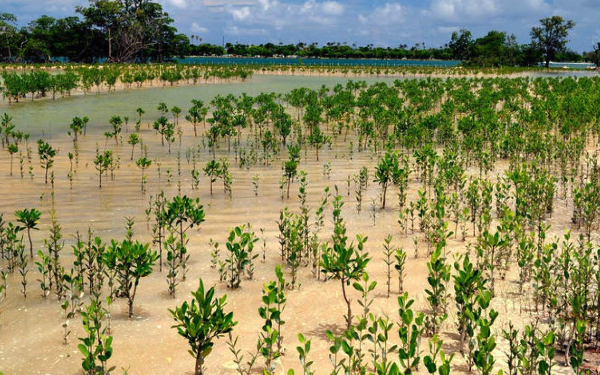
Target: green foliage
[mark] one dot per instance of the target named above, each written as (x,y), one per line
(437,295)
(387,172)
(409,331)
(103,163)
(485,342)
(96,346)
(143,163)
(468,282)
(132,261)
(346,263)
(240,247)
(273,304)
(201,321)
(46,154)
(551,36)
(30,219)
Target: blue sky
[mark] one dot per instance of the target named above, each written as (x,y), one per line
(380,22)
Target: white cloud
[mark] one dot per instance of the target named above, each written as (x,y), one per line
(266,4)
(454,9)
(181,4)
(222,3)
(483,11)
(240,14)
(332,8)
(285,15)
(198,29)
(237,31)
(390,13)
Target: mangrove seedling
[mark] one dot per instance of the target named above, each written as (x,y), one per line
(212,170)
(133,140)
(46,154)
(387,172)
(132,261)
(410,331)
(345,263)
(400,267)
(103,163)
(240,245)
(30,219)
(201,321)
(143,163)
(13,148)
(96,347)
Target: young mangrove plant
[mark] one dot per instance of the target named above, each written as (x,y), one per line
(143,163)
(468,282)
(345,263)
(201,321)
(400,267)
(388,251)
(46,154)
(132,261)
(173,248)
(273,304)
(240,246)
(410,331)
(133,140)
(290,167)
(212,170)
(437,295)
(96,346)
(182,214)
(387,172)
(102,163)
(30,219)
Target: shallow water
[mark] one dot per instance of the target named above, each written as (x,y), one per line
(30,329)
(49,117)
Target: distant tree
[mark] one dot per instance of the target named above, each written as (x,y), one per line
(8,33)
(461,44)
(551,36)
(594,56)
(496,48)
(133,29)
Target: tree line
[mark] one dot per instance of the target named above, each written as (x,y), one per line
(496,48)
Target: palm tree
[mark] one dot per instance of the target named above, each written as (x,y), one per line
(30,219)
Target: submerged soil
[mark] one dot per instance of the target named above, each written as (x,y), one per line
(31,332)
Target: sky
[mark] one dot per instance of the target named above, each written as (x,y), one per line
(378,22)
